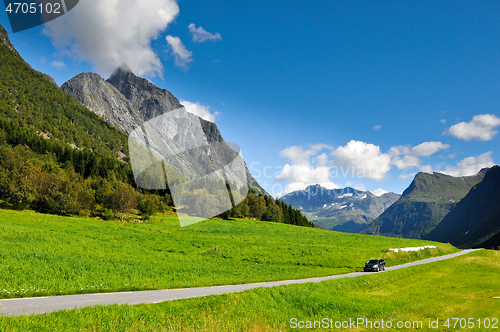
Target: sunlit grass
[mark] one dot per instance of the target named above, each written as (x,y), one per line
(52,255)
(461,287)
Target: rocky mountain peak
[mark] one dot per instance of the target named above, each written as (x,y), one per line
(342,209)
(147,98)
(104,100)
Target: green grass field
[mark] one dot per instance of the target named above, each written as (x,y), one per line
(461,288)
(51,255)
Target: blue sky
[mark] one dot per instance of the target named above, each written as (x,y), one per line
(340,93)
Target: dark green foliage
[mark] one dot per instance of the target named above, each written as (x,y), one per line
(32,102)
(148,207)
(267,209)
(122,199)
(56,156)
(84,162)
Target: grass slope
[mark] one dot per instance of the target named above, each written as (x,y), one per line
(52,255)
(475,221)
(428,199)
(461,287)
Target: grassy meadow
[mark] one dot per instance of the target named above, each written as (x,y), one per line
(461,287)
(44,255)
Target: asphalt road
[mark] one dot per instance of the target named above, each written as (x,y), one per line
(40,305)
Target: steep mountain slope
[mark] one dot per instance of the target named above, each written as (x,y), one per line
(105,100)
(423,205)
(56,156)
(475,221)
(344,210)
(59,157)
(128,101)
(29,101)
(4,39)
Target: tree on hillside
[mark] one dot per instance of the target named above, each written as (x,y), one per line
(148,207)
(122,199)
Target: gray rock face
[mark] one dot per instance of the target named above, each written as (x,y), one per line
(4,39)
(104,100)
(138,107)
(345,210)
(144,96)
(152,101)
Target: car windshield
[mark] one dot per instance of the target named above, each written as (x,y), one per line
(372,261)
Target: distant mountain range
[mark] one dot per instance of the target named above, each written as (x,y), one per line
(464,211)
(428,199)
(344,210)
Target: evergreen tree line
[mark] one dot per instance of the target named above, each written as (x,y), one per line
(266,208)
(84,162)
(29,180)
(29,98)
(49,178)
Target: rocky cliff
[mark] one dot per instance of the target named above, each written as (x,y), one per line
(129,102)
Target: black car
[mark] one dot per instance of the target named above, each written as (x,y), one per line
(375,265)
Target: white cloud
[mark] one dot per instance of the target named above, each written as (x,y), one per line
(322,160)
(480,128)
(377,127)
(302,173)
(364,159)
(471,165)
(181,54)
(426,169)
(201,35)
(427,149)
(201,110)
(405,157)
(379,192)
(299,156)
(406,176)
(114,33)
(58,64)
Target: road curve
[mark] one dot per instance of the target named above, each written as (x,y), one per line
(40,305)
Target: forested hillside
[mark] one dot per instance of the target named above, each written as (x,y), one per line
(57,156)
